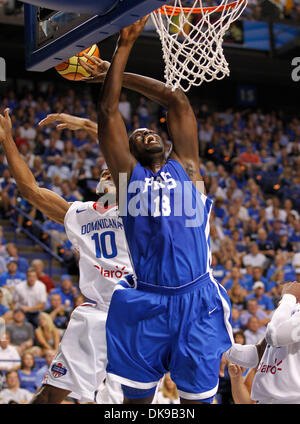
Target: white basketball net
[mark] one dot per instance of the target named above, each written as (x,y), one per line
(192,48)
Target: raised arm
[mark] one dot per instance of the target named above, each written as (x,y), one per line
(70,122)
(181,119)
(48,202)
(112,132)
(283,328)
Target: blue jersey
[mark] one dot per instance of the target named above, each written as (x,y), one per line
(167,226)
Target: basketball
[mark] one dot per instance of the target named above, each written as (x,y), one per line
(71,69)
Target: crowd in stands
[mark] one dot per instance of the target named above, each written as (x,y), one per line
(250,163)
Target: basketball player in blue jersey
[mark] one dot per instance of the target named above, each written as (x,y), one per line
(183,325)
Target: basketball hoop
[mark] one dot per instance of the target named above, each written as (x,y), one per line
(192,38)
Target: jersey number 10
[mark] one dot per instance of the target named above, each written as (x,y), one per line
(105,244)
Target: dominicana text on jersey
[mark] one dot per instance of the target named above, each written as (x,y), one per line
(99,236)
(166,221)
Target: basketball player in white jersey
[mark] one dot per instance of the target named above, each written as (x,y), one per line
(96,231)
(277,379)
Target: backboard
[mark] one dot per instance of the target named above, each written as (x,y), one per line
(53,36)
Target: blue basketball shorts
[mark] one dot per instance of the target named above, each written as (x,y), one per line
(153,330)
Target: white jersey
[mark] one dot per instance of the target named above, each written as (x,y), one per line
(277,379)
(99,236)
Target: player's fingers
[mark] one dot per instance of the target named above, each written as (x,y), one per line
(97,60)
(89,68)
(91,58)
(61,126)
(49,119)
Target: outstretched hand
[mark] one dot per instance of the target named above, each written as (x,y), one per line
(234,371)
(5,125)
(98,68)
(67,121)
(130,34)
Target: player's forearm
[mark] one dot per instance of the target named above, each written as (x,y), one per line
(283,328)
(111,89)
(20,171)
(153,89)
(239,391)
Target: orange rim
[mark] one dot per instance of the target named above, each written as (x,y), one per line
(171,10)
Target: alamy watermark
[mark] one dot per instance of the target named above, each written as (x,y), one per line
(296,71)
(2,69)
(2,329)
(162,196)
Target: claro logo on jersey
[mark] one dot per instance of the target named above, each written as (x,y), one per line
(272,368)
(112,273)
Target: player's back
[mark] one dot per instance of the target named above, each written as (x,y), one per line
(167,226)
(99,236)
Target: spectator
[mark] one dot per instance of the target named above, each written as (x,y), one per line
(12,277)
(5,313)
(266,246)
(51,152)
(239,337)
(12,251)
(7,297)
(8,192)
(263,300)
(254,258)
(31,296)
(58,312)
(21,333)
(270,210)
(69,153)
(284,245)
(254,310)
(38,266)
(9,356)
(250,157)
(238,297)
(236,322)
(280,263)
(26,373)
(38,170)
(254,333)
(47,335)
(66,189)
(277,292)
(81,140)
(57,232)
(58,168)
(275,231)
(257,275)
(168,392)
(87,185)
(13,393)
(235,277)
(125,108)
(40,374)
(78,300)
(67,291)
